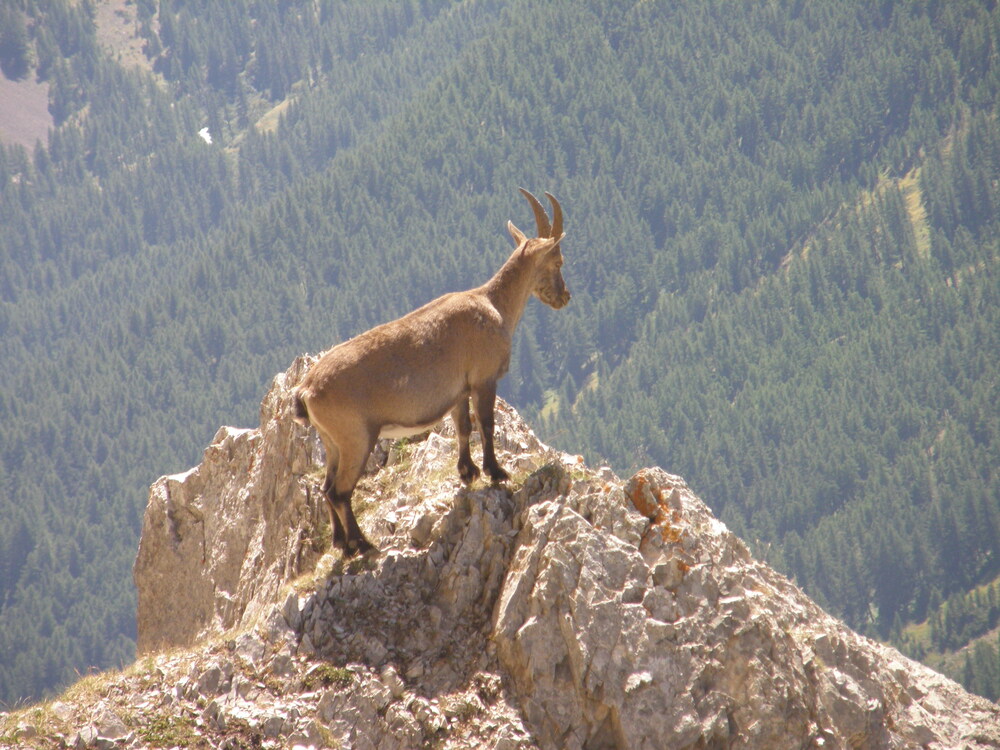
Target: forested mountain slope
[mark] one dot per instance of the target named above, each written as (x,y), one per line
(781,242)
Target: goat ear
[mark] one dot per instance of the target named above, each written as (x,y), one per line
(555,243)
(548,245)
(515,233)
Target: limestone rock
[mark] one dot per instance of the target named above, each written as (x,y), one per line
(683,640)
(219,541)
(567,609)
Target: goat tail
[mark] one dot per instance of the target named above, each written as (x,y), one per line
(300,413)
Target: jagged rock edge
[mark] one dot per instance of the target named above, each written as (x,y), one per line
(837,704)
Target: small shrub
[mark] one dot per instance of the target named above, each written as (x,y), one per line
(169,731)
(327,675)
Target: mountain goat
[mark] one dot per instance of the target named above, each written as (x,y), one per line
(402,377)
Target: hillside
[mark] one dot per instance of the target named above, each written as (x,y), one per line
(781,241)
(571,609)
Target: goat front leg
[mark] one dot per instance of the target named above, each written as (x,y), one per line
(485,400)
(467,469)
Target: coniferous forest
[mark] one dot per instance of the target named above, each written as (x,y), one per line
(783,235)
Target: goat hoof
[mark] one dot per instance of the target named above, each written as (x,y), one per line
(469,473)
(357,547)
(498,475)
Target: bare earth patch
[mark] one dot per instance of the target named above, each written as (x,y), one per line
(118,33)
(24,111)
(24,104)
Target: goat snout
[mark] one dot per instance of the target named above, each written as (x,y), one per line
(555,296)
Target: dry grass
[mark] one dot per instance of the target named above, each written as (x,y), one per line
(909,186)
(118,33)
(268,123)
(24,112)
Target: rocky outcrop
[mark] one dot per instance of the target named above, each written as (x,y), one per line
(622,628)
(570,609)
(218,541)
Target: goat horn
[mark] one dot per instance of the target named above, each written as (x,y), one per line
(557,228)
(544,228)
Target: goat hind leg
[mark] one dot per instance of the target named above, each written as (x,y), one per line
(352,461)
(354,540)
(337,536)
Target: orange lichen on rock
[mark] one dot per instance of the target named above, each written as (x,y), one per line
(659,502)
(667,522)
(645,496)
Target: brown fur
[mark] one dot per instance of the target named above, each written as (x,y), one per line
(401,377)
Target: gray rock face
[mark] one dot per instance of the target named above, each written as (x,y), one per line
(570,609)
(654,627)
(218,541)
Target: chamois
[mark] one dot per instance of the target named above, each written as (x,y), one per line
(402,377)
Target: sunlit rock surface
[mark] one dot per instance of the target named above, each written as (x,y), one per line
(567,609)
